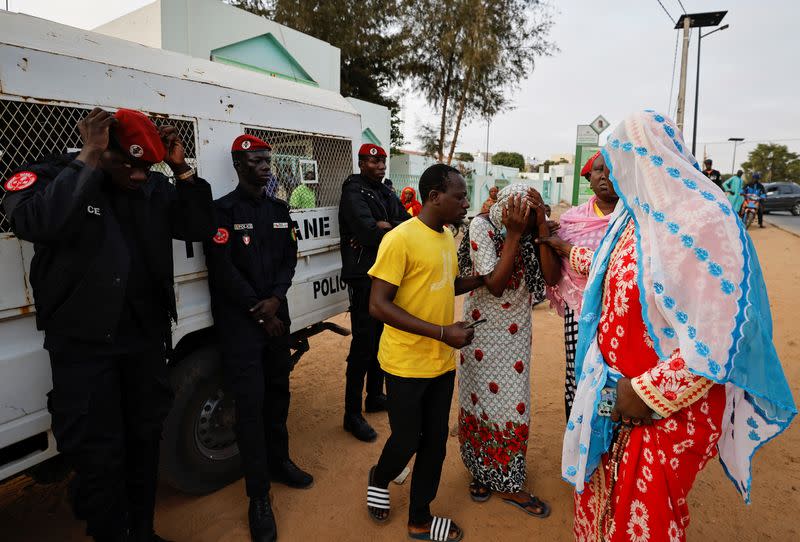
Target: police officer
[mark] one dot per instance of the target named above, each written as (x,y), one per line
(251,262)
(367,210)
(102,225)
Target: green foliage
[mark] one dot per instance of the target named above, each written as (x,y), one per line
(465,157)
(370,51)
(774,162)
(509,159)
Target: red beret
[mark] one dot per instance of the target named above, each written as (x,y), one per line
(138,136)
(368,149)
(587,167)
(249,143)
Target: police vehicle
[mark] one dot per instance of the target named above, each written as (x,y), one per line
(50,77)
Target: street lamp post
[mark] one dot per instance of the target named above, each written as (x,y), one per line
(736,141)
(700,21)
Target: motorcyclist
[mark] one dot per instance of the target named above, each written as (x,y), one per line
(757,189)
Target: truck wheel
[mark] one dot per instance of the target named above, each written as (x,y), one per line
(199,453)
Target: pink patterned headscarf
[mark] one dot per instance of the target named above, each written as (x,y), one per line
(582,227)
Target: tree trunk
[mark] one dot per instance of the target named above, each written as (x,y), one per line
(445,100)
(461,106)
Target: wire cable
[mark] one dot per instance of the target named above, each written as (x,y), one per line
(672,80)
(665,11)
(683,8)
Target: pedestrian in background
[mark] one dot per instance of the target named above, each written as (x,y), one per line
(491,200)
(733,188)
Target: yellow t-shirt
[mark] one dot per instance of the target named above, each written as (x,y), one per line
(422,264)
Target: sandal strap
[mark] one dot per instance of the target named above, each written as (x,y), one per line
(440,529)
(378,497)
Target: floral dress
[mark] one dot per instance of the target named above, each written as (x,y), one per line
(494,372)
(660,461)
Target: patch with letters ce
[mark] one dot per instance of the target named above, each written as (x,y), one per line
(248,226)
(221,237)
(280,225)
(20,181)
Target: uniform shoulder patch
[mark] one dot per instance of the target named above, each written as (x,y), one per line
(20,181)
(221,237)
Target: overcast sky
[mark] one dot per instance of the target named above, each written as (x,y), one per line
(616,56)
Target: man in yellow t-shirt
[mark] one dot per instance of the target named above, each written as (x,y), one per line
(414,284)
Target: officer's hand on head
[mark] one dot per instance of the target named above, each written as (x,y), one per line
(94,130)
(265,309)
(176,156)
(274,327)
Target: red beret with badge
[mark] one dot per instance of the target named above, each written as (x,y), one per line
(138,137)
(249,143)
(587,167)
(369,149)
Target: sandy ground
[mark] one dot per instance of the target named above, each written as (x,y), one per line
(334,508)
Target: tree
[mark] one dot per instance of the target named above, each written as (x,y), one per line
(464,55)
(774,162)
(465,157)
(510,159)
(362,30)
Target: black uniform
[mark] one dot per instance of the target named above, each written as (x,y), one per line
(102,279)
(253,257)
(363,204)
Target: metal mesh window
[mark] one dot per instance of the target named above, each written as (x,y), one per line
(31,131)
(294,157)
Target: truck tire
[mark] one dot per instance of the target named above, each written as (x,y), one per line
(199,453)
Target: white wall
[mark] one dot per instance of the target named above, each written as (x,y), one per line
(196,27)
(140,26)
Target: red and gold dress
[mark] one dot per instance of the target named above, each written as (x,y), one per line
(659,462)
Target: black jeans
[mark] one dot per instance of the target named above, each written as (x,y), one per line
(108,412)
(363,358)
(419,409)
(259,379)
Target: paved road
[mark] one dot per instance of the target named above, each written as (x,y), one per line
(784,220)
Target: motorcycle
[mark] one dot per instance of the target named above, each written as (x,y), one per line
(750,209)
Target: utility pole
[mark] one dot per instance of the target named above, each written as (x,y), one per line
(687,21)
(736,141)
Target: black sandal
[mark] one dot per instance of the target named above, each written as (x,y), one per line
(479,492)
(534,502)
(377,500)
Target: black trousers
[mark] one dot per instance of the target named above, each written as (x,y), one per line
(259,379)
(108,411)
(419,409)
(363,358)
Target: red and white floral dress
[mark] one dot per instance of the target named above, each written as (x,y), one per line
(660,461)
(494,373)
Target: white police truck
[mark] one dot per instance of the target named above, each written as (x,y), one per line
(50,77)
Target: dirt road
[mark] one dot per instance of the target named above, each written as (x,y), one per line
(334,508)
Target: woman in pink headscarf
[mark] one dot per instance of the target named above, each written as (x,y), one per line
(582,228)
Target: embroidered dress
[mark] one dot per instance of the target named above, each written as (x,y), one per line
(659,462)
(494,372)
